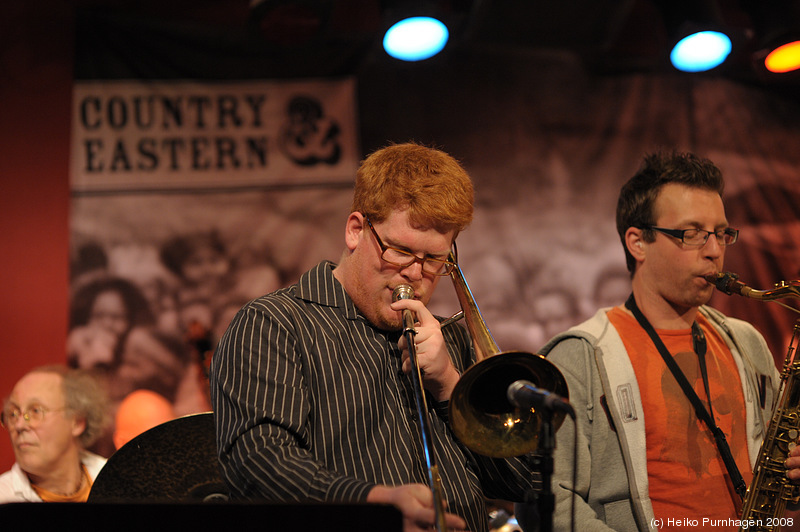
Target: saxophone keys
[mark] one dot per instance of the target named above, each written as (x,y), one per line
(792,434)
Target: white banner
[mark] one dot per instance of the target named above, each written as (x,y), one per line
(142,135)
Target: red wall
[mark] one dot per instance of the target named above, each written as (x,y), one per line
(35,85)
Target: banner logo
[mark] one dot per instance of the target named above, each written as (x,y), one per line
(137,135)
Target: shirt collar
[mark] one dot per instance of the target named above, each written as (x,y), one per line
(318,285)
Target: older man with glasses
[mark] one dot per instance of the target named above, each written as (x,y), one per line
(310,385)
(52,416)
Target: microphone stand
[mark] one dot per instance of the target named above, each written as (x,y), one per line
(543,461)
(523,394)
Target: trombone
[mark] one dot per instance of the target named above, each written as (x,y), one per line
(405,291)
(507,403)
(484,414)
(481,412)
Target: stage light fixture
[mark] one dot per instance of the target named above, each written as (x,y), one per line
(701,51)
(700,37)
(784,58)
(416,38)
(777,24)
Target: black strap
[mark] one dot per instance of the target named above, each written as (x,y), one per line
(699,342)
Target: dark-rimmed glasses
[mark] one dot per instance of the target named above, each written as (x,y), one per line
(33,415)
(404,258)
(698,237)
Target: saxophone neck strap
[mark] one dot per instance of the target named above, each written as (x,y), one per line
(700,347)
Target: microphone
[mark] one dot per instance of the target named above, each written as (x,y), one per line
(524,394)
(404,291)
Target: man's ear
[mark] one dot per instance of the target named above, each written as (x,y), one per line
(635,244)
(354,227)
(78,426)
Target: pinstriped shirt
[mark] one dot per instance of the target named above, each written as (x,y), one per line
(311,405)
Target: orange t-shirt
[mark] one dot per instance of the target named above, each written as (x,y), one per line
(689,484)
(82,495)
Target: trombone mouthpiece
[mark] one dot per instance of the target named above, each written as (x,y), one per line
(402,291)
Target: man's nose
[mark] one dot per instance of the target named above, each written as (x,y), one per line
(712,247)
(19,423)
(414,270)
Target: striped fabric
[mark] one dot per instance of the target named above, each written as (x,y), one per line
(311,405)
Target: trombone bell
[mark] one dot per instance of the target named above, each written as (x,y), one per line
(483,417)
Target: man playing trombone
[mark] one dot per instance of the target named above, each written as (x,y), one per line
(311,384)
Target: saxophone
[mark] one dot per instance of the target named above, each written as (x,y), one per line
(767,496)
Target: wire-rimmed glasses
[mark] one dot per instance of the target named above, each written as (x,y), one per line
(33,415)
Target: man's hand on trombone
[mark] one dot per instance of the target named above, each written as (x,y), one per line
(415,502)
(439,375)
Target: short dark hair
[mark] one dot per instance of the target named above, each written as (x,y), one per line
(638,196)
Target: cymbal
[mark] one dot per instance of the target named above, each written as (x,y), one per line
(172,462)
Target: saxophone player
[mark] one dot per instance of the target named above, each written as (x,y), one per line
(648,458)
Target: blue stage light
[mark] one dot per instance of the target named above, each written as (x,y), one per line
(701,51)
(415,38)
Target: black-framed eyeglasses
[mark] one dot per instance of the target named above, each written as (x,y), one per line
(33,415)
(404,258)
(698,237)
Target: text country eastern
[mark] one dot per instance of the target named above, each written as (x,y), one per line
(148,154)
